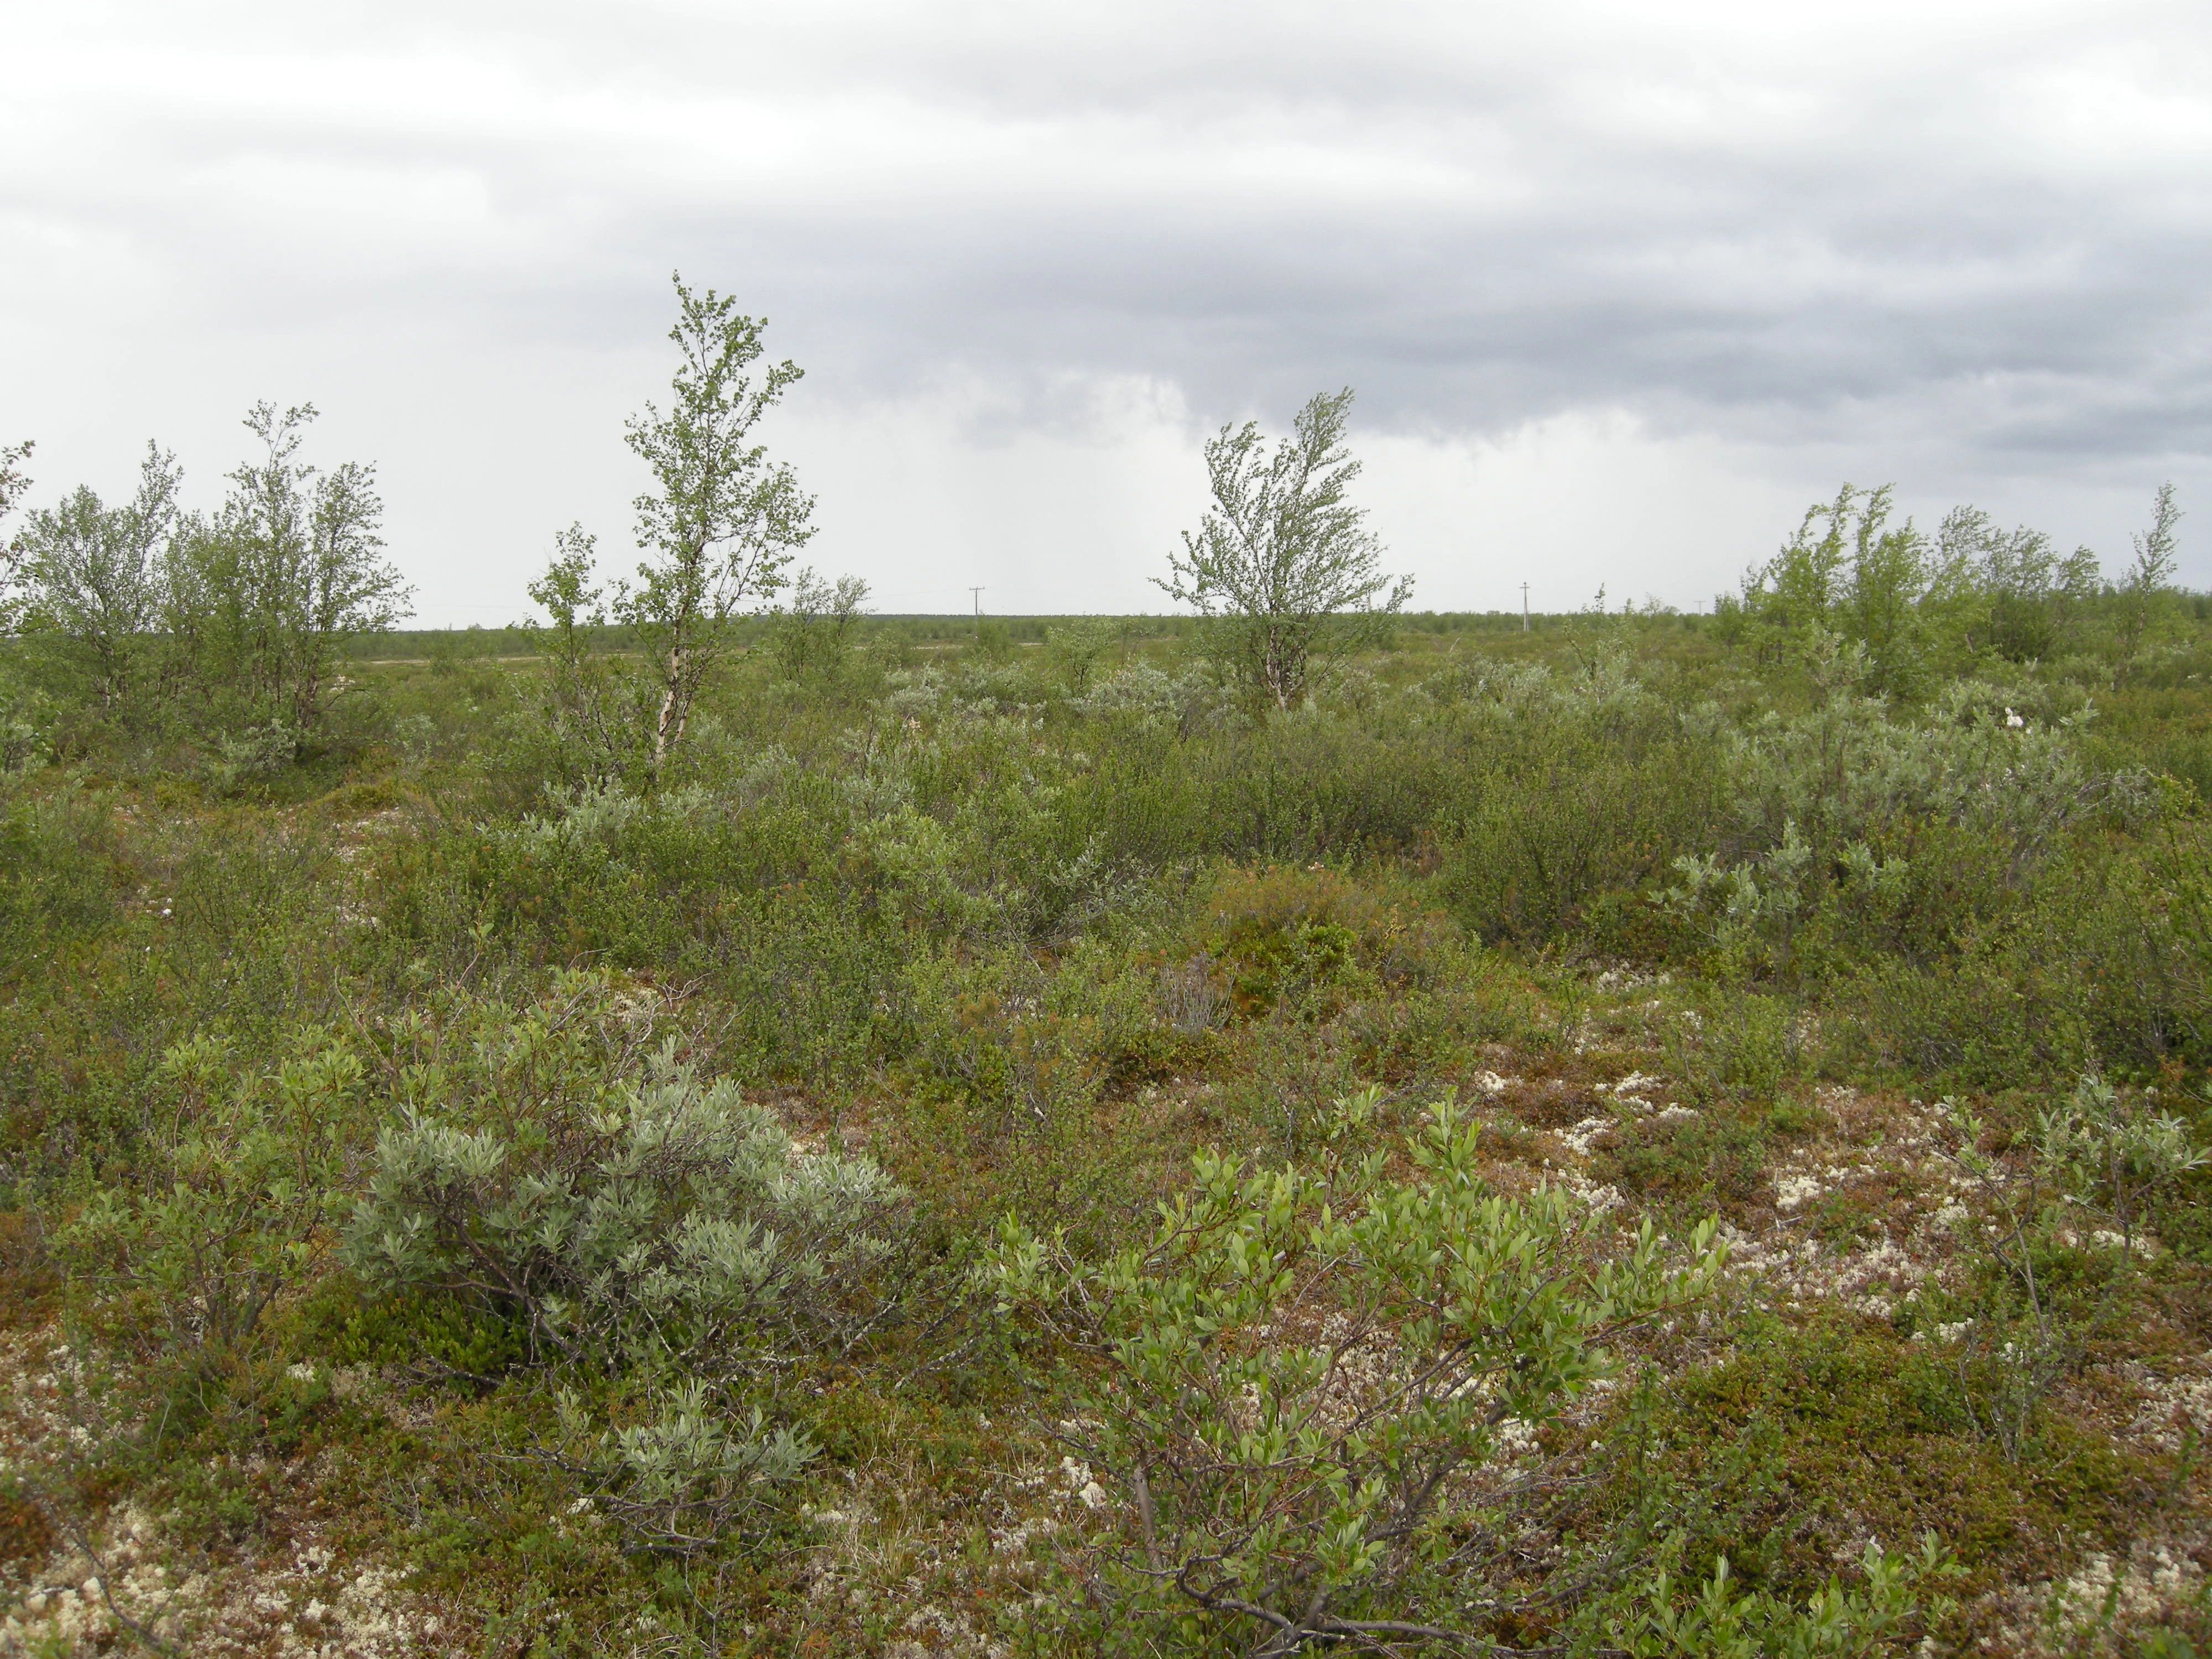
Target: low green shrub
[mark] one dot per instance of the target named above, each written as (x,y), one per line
(229,1210)
(1718,1157)
(56,853)
(1741,1045)
(1847,1622)
(1290,935)
(1294,1372)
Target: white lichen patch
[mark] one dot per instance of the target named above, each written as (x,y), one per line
(1793,1192)
(2175,1411)
(1595,1197)
(1582,1137)
(1874,1280)
(303,1602)
(2092,1610)
(115,1582)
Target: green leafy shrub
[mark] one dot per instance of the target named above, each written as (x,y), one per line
(2103,963)
(1286,933)
(54,881)
(1572,787)
(1741,1046)
(1845,1622)
(815,983)
(228,1213)
(1303,1377)
(1718,1156)
(30,723)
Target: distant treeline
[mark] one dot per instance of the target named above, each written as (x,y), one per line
(922,629)
(465,644)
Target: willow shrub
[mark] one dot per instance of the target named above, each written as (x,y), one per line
(659,1242)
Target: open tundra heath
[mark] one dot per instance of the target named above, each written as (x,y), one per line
(716,1126)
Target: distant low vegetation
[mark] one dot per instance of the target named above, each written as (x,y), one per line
(717,1123)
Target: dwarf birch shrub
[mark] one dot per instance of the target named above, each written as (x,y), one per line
(1836,1622)
(633,879)
(814,981)
(1311,1389)
(2103,960)
(1283,933)
(1575,785)
(228,1214)
(53,880)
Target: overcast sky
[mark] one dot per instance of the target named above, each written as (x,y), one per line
(1622,287)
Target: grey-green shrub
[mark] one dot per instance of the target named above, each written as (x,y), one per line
(679,1481)
(669,1223)
(1827,810)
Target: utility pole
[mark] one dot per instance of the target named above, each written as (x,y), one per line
(1524,607)
(976,594)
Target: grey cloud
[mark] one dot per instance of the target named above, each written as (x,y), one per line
(1900,240)
(1750,221)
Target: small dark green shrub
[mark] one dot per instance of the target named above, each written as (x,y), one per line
(54,881)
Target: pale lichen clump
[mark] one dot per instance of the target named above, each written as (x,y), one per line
(2092,1611)
(115,1580)
(304,1602)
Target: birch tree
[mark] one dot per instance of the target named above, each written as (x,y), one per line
(1283,566)
(2156,558)
(721,521)
(14,481)
(93,575)
(292,564)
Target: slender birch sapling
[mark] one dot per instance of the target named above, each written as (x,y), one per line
(721,521)
(2153,569)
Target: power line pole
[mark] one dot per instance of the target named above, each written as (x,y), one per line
(976,594)
(1524,607)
